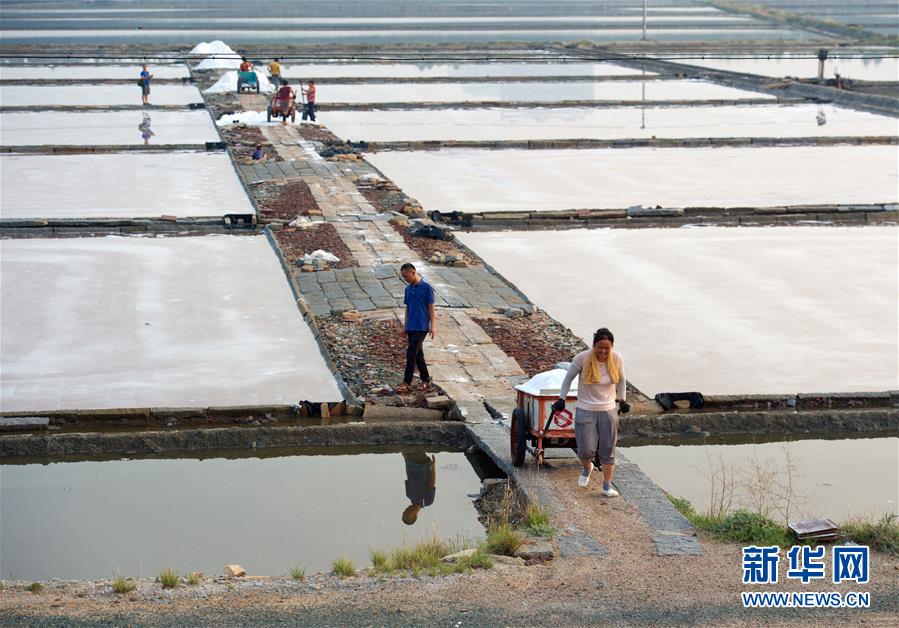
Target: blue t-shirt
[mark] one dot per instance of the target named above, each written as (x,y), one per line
(145,76)
(417,299)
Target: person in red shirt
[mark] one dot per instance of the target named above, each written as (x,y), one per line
(285,96)
(245,66)
(309,110)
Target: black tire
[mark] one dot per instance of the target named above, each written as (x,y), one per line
(257,87)
(519,437)
(239,86)
(268,114)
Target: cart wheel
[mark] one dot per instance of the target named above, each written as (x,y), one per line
(293,116)
(239,85)
(268,114)
(519,437)
(257,87)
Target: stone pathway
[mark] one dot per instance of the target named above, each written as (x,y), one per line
(463,359)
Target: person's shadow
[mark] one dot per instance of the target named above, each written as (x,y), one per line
(421,484)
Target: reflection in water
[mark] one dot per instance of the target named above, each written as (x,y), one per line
(821,118)
(144,127)
(421,483)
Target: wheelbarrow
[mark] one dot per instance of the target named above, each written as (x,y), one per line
(247,81)
(535,425)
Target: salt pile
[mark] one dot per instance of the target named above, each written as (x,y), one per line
(219,56)
(547,383)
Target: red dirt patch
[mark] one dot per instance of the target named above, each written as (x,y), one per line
(242,141)
(286,201)
(295,243)
(536,342)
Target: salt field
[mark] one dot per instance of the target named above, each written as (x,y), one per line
(354,36)
(104,128)
(66,72)
(87,95)
(720,310)
(862,69)
(685,90)
(818,492)
(613,123)
(521,180)
(120,185)
(318,71)
(118,322)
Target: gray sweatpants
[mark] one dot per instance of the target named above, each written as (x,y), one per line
(596,431)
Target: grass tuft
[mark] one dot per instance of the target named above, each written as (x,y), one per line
(379,561)
(504,539)
(739,526)
(882,534)
(169,579)
(536,521)
(35,587)
(194,578)
(343,567)
(121,584)
(297,572)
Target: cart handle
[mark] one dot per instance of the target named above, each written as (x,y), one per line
(549,422)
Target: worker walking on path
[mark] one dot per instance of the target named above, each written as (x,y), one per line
(274,71)
(420,320)
(309,93)
(601,384)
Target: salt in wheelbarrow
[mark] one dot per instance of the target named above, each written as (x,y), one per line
(535,425)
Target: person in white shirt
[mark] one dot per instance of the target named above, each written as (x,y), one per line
(601,385)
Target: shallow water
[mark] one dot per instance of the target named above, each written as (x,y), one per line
(838,479)
(132,322)
(531,92)
(120,185)
(720,310)
(318,71)
(87,95)
(611,123)
(522,180)
(118,128)
(75,72)
(268,512)
(863,69)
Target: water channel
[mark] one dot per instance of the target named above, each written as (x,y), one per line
(267,511)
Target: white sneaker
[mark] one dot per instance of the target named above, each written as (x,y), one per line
(584,478)
(610,492)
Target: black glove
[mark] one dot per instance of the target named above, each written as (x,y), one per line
(624,407)
(559,405)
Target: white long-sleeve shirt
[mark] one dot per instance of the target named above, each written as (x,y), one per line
(595,397)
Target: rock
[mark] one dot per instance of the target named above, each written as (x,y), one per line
(234,571)
(441,402)
(466,553)
(514,312)
(384,414)
(491,483)
(507,560)
(460,263)
(536,550)
(22,423)
(351,315)
(307,268)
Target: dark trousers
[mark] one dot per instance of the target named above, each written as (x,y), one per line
(309,111)
(415,357)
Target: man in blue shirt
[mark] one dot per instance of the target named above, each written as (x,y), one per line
(145,77)
(419,322)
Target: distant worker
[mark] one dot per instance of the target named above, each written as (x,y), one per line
(601,384)
(258,154)
(144,83)
(421,484)
(309,93)
(274,71)
(245,66)
(286,97)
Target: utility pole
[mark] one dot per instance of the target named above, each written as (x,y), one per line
(644,22)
